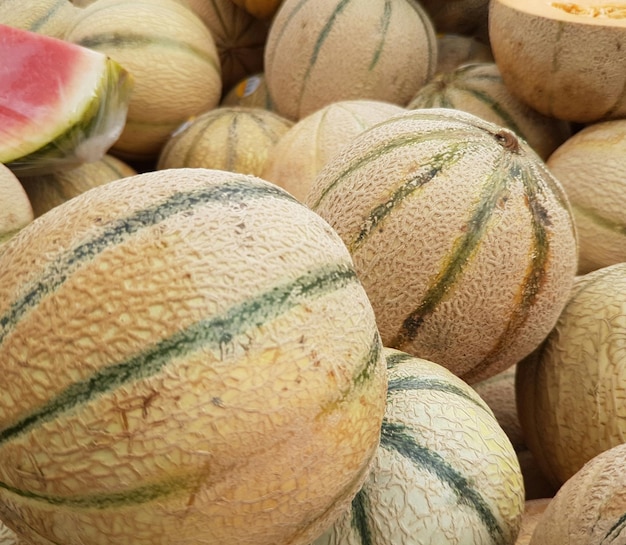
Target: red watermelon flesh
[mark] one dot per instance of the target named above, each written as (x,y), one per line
(60,104)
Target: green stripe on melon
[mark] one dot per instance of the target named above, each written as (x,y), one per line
(184,343)
(61,105)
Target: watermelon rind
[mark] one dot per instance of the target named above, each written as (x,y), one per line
(78,129)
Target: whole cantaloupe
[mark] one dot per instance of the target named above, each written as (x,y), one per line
(321,51)
(172,57)
(463,239)
(16,210)
(191,358)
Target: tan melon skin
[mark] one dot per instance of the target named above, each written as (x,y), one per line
(478,88)
(590,508)
(49,17)
(269,428)
(591,166)
(570,390)
(308,66)
(408,503)
(568,67)
(237,139)
(50,190)
(299,155)
(171,82)
(400,261)
(16,210)
(533,511)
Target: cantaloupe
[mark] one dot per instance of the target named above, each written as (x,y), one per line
(239,37)
(591,166)
(533,511)
(234,138)
(570,390)
(191,359)
(564,59)
(47,191)
(445,472)
(172,57)
(463,239)
(590,508)
(49,17)
(322,51)
(478,88)
(16,210)
(454,50)
(304,149)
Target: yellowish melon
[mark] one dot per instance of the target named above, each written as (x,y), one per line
(463,239)
(250,92)
(299,155)
(455,50)
(591,166)
(234,138)
(239,37)
(590,508)
(50,190)
(564,59)
(173,59)
(49,17)
(478,88)
(15,208)
(192,359)
(570,390)
(323,51)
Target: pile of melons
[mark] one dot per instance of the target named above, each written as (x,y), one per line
(354,272)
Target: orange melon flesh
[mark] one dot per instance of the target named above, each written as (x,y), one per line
(565,59)
(57,94)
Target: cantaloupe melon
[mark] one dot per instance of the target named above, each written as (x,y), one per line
(463,239)
(533,511)
(590,508)
(322,51)
(570,390)
(564,59)
(49,17)
(591,166)
(304,149)
(47,191)
(191,359)
(445,472)
(478,88)
(16,210)
(234,138)
(172,57)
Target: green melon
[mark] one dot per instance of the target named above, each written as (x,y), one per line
(60,104)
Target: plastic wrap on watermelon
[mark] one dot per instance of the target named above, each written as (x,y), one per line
(61,104)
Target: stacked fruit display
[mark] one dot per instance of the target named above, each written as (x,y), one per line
(312,272)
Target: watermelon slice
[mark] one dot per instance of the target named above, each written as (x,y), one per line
(61,104)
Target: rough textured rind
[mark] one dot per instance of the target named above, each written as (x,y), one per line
(49,17)
(16,210)
(478,88)
(591,166)
(312,58)
(172,56)
(50,190)
(233,138)
(540,55)
(570,390)
(305,148)
(533,511)
(590,508)
(463,240)
(192,360)
(444,473)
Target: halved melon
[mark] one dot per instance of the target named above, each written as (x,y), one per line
(60,104)
(565,59)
